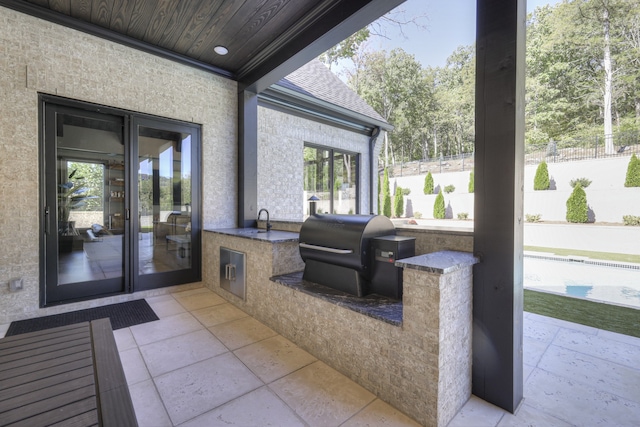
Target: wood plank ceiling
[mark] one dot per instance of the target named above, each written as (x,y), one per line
(259,34)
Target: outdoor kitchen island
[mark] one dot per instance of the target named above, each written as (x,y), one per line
(420,364)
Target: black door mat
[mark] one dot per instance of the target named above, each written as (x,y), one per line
(122,315)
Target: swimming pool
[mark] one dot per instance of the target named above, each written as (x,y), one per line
(603,283)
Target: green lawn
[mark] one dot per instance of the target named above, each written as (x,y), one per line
(606,256)
(623,320)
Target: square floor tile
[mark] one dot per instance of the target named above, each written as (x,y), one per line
(203,386)
(608,376)
(322,396)
(380,414)
(613,351)
(162,329)
(526,416)
(124,339)
(273,358)
(577,403)
(133,365)
(165,306)
(150,411)
(177,352)
(211,316)
(477,413)
(241,332)
(198,298)
(260,408)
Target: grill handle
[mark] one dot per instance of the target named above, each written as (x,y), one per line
(326,249)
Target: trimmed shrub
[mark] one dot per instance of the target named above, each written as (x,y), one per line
(463,215)
(428,184)
(406,191)
(472,184)
(398,203)
(417,215)
(584,182)
(438,206)
(386,195)
(577,208)
(449,189)
(633,172)
(541,180)
(533,218)
(631,220)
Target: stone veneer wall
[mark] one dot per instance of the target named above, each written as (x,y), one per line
(281,139)
(422,368)
(42,57)
(434,240)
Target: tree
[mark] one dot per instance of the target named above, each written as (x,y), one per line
(438,207)
(633,172)
(386,195)
(471,182)
(577,208)
(541,179)
(428,184)
(349,47)
(398,203)
(393,84)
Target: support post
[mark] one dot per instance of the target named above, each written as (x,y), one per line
(247,158)
(499,176)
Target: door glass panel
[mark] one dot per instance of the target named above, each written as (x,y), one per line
(90,199)
(316,179)
(164,200)
(344,183)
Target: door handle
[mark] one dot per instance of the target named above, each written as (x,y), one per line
(46,220)
(230,272)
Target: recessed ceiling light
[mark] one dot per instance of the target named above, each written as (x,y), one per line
(221,50)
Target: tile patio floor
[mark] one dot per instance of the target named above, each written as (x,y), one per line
(206,363)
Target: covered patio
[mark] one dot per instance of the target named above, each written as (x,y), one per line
(573,374)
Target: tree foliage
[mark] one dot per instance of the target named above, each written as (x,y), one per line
(438,207)
(428,184)
(472,184)
(541,179)
(633,172)
(386,195)
(582,70)
(577,208)
(398,203)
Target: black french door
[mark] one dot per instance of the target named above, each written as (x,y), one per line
(120,200)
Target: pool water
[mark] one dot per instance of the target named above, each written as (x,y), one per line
(594,282)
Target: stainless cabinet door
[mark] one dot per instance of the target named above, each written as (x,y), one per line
(233,272)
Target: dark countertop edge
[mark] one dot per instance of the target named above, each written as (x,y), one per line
(273,236)
(441,262)
(295,282)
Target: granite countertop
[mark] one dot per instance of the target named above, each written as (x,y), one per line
(439,262)
(260,234)
(377,306)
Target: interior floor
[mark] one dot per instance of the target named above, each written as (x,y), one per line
(102,258)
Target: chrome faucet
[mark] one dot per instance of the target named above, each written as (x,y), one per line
(268,223)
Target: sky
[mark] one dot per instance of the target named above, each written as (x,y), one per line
(449,24)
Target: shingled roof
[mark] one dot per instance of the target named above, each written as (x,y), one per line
(314,81)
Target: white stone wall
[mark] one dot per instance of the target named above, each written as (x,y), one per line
(37,56)
(281,139)
(606,196)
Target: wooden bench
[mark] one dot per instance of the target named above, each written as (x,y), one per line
(70,376)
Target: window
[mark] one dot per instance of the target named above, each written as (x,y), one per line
(332,176)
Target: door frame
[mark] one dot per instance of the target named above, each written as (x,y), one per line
(132,280)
